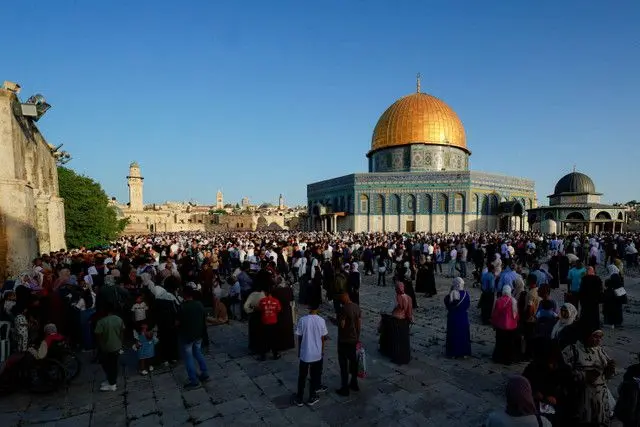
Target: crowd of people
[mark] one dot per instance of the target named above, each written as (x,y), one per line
(158,293)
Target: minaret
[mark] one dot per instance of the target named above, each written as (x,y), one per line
(134,180)
(219,200)
(281,202)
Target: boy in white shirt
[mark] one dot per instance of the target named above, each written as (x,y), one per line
(311,331)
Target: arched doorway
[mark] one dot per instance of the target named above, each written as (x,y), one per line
(574,222)
(379,213)
(410,226)
(427,210)
(511,216)
(394,212)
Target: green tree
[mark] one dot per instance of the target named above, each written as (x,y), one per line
(90,220)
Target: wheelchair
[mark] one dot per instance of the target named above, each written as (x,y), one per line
(22,371)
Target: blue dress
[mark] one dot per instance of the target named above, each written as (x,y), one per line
(458,333)
(147,348)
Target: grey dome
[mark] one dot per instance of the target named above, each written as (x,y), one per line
(576,183)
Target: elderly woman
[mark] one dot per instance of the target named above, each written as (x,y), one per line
(458,333)
(521,409)
(394,328)
(589,367)
(505,321)
(564,332)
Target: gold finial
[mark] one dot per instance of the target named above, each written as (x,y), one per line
(418,77)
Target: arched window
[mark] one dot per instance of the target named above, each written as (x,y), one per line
(443,203)
(458,203)
(427,204)
(484,206)
(493,204)
(411,204)
(394,207)
(575,216)
(379,206)
(364,204)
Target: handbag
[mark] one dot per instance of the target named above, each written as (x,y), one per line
(620,292)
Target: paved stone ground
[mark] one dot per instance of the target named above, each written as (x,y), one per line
(431,389)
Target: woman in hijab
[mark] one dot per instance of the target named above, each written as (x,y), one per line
(505,321)
(353,283)
(165,312)
(590,367)
(615,296)
(565,331)
(421,277)
(590,296)
(284,339)
(402,316)
(315,287)
(403,275)
(521,409)
(458,333)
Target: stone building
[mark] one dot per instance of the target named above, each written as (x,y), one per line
(419,180)
(31,210)
(575,206)
(174,217)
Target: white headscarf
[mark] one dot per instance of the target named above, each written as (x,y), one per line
(506,291)
(563,323)
(457,286)
(612,269)
(354,267)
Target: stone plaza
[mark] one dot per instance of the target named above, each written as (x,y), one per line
(431,390)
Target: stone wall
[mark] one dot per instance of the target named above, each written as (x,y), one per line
(31,211)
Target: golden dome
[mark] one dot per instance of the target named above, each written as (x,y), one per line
(418,118)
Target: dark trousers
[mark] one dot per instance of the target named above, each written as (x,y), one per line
(316,373)
(348,363)
(368,267)
(270,335)
(382,278)
(109,362)
(337,306)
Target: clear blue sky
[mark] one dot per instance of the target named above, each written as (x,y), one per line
(260,98)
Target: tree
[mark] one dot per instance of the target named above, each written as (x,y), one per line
(90,220)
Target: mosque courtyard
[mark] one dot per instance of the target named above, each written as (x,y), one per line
(431,390)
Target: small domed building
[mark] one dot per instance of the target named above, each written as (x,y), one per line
(575,206)
(419,180)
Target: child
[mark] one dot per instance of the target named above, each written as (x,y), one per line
(312,333)
(145,346)
(139,310)
(108,332)
(546,310)
(269,307)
